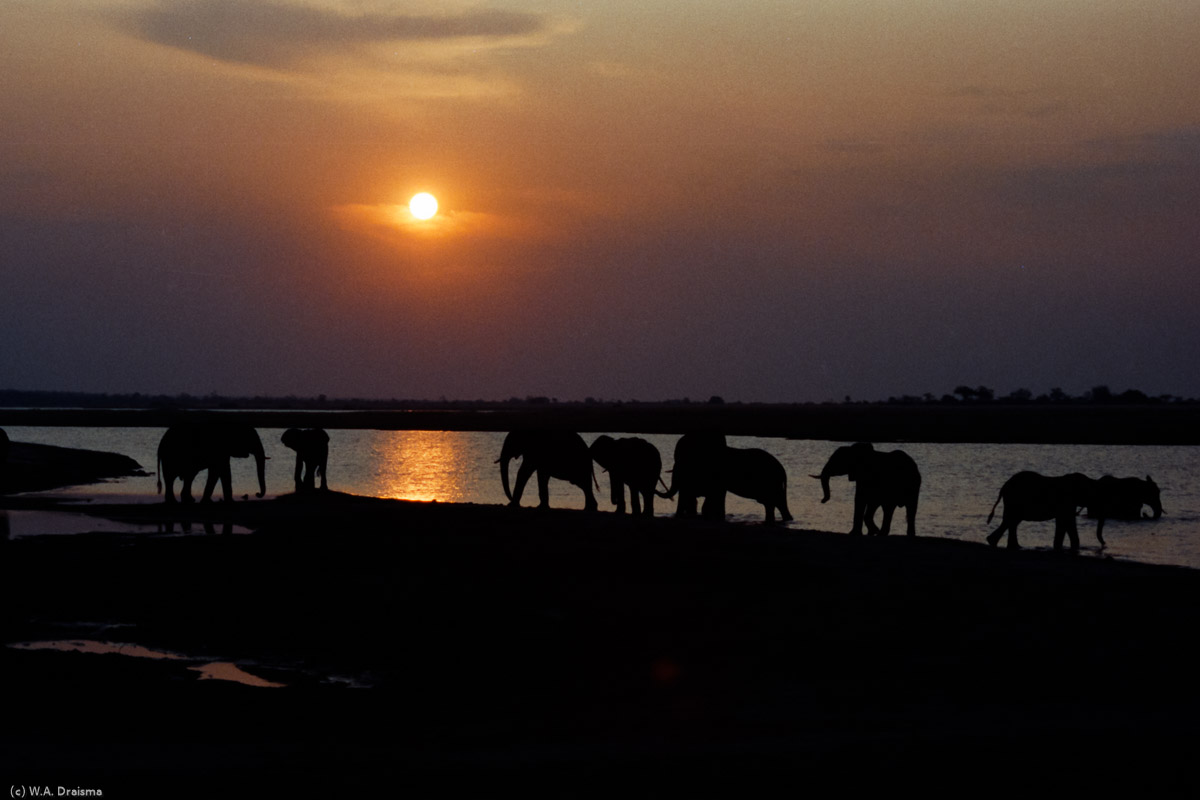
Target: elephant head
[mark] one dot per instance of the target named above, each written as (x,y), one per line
(603,451)
(847,460)
(516,444)
(1153,497)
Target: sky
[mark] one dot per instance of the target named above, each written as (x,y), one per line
(769,200)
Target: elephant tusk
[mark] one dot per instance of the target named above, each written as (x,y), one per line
(818,477)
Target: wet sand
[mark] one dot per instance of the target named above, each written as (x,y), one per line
(566,653)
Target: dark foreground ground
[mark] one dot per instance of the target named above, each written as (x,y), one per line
(562,653)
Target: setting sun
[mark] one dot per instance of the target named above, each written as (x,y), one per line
(423,205)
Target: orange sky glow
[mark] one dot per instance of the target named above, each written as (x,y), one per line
(764,200)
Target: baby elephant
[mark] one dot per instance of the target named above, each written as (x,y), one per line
(312,454)
(631,462)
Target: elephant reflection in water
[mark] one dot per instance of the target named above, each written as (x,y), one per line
(631,462)
(188,448)
(551,454)
(705,466)
(312,455)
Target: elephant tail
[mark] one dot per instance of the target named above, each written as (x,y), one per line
(672,490)
(999,497)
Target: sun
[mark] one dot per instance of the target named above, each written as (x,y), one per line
(423,205)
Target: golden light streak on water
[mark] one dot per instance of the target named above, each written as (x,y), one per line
(423,465)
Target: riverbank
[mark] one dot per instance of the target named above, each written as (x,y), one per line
(572,653)
(934,423)
(32,467)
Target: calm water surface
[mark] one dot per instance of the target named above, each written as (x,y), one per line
(960,481)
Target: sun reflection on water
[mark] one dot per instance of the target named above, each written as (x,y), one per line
(424,465)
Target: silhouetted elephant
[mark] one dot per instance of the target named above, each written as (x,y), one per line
(631,462)
(552,454)
(883,480)
(697,473)
(187,448)
(312,454)
(1123,498)
(1034,497)
(706,467)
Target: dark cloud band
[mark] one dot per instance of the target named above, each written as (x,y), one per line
(272,34)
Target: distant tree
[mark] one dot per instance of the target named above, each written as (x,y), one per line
(1019,396)
(716,400)
(985,394)
(1100,394)
(1134,396)
(1058,396)
(965,392)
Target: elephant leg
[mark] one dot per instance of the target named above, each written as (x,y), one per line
(210,483)
(687,505)
(185,488)
(995,536)
(169,488)
(868,518)
(714,506)
(648,502)
(523,474)
(323,466)
(310,476)
(298,476)
(910,513)
(635,502)
(1072,531)
(543,480)
(589,499)
(860,505)
(784,513)
(617,494)
(888,511)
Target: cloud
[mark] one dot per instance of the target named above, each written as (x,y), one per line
(280,36)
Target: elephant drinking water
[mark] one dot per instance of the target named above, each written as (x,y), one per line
(187,448)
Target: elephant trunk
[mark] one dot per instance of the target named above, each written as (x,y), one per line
(824,479)
(506,455)
(260,459)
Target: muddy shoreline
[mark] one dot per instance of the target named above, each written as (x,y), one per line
(588,653)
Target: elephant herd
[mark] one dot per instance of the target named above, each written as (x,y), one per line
(187,449)
(705,468)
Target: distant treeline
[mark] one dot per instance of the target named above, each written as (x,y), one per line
(979,395)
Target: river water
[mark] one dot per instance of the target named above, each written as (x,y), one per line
(960,481)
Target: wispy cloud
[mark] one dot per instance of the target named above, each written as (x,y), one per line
(282,36)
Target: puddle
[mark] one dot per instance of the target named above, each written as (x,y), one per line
(213,670)
(228,671)
(21,523)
